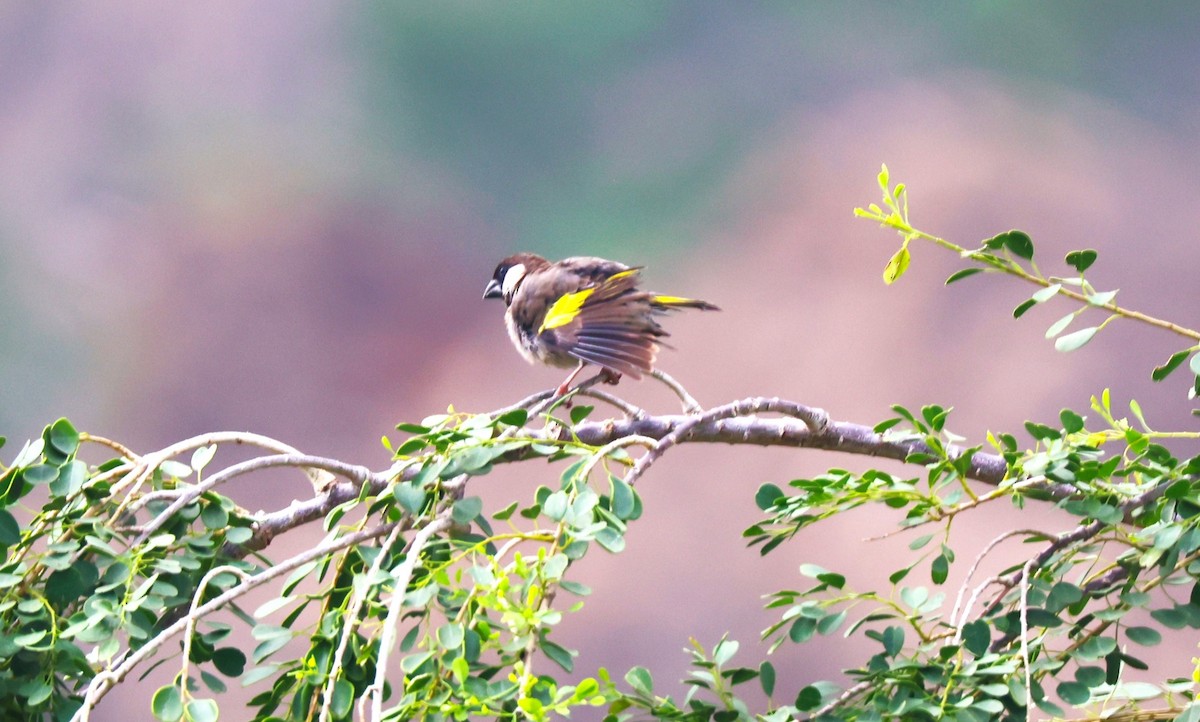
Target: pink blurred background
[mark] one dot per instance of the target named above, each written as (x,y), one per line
(279,217)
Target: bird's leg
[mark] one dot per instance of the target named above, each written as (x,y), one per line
(562,389)
(608,376)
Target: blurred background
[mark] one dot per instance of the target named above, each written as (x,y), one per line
(280,217)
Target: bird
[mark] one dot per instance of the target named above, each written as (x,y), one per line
(583,310)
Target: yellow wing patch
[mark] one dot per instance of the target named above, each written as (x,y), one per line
(565,309)
(673,300)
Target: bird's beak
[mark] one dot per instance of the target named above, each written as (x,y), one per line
(493,289)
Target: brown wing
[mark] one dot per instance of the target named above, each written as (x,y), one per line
(609,324)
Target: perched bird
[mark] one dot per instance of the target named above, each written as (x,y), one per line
(581,311)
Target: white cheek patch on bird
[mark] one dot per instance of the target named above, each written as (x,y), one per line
(511,278)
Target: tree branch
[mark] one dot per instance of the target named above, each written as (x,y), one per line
(735,423)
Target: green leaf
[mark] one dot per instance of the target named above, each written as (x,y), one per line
(342,699)
(611,540)
(1074,693)
(1095,648)
(897,265)
(940,569)
(410,497)
(1041,432)
(767,495)
(202,710)
(1049,707)
(976,637)
(1071,421)
(639,678)
(766,677)
(41,474)
(71,476)
(1018,242)
(724,652)
(1177,358)
(964,273)
(64,437)
(1063,595)
(830,623)
(1024,306)
(238,534)
(561,656)
(175,469)
(555,506)
(167,704)
(466,510)
(10,530)
(802,629)
(809,698)
(623,498)
(893,640)
(1042,618)
(450,636)
(1090,676)
(1145,636)
(920,541)
(470,460)
(532,707)
(579,413)
(883,426)
(1074,340)
(411,446)
(1060,325)
(576,588)
(214,516)
(1102,298)
(229,661)
(203,455)
(1046,293)
(1081,260)
(516,417)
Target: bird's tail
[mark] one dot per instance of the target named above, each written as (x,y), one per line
(670,302)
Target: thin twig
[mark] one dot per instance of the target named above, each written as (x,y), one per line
(356,474)
(604,451)
(842,698)
(148,463)
(350,622)
(116,446)
(1024,612)
(401,577)
(690,405)
(190,630)
(966,612)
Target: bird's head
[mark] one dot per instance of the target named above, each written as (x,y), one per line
(510,272)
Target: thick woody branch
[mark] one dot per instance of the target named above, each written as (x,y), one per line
(735,423)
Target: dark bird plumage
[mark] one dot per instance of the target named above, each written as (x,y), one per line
(583,310)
